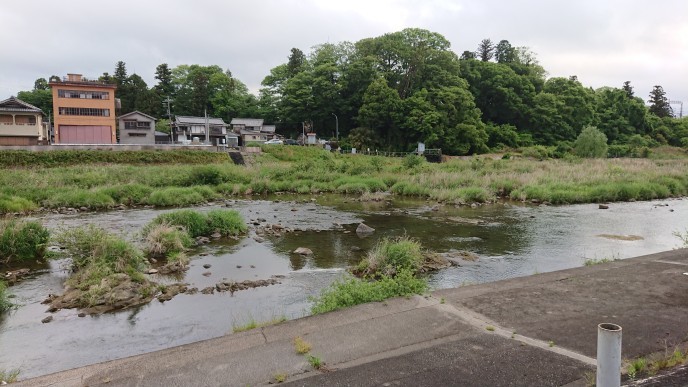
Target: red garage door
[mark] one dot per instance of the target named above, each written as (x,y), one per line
(85,134)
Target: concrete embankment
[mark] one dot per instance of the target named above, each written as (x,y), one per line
(538,330)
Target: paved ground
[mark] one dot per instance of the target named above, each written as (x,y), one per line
(538,330)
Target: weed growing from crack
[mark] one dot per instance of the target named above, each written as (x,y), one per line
(302,347)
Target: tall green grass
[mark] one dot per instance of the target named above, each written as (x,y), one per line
(5,303)
(22,241)
(98,255)
(226,222)
(305,170)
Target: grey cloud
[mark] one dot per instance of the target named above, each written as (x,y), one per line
(603,42)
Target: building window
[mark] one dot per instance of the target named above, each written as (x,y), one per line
(133,124)
(83,94)
(137,134)
(68,111)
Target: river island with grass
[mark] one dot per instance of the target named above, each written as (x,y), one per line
(111,254)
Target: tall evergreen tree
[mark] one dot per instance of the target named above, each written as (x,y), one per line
(659,104)
(628,89)
(296,63)
(164,76)
(120,75)
(485,50)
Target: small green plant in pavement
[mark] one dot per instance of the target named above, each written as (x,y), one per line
(10,376)
(315,362)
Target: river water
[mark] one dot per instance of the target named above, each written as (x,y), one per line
(511,240)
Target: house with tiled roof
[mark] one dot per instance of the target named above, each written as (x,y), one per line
(21,123)
(192,129)
(137,128)
(253,130)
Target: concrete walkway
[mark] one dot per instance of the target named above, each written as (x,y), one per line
(538,330)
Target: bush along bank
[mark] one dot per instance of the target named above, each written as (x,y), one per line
(22,241)
(110,273)
(393,268)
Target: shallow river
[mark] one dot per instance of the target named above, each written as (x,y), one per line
(511,240)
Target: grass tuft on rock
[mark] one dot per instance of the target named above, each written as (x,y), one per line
(22,241)
(391,255)
(97,254)
(226,222)
(164,239)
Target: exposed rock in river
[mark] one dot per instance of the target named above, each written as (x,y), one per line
(434,262)
(303,251)
(364,230)
(117,291)
(233,286)
(168,292)
(15,275)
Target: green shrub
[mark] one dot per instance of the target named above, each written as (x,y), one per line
(79,198)
(128,193)
(353,291)
(226,222)
(97,254)
(165,239)
(412,161)
(194,222)
(206,175)
(390,256)
(591,143)
(15,204)
(537,152)
(22,240)
(5,303)
(176,197)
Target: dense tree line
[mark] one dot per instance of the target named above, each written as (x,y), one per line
(392,91)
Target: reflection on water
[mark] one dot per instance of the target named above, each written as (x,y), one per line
(511,239)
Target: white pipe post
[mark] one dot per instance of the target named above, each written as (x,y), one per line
(608,355)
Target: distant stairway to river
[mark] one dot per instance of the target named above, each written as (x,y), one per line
(236,157)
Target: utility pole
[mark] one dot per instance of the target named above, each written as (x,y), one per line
(303,128)
(680,103)
(207,125)
(336,123)
(166,103)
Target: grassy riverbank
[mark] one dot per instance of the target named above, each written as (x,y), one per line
(101,184)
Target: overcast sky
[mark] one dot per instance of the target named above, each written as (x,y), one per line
(603,42)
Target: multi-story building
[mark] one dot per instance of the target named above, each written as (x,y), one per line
(84,111)
(21,123)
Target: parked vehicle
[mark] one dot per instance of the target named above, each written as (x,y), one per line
(274,141)
(289,141)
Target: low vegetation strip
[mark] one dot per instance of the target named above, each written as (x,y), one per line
(305,170)
(54,158)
